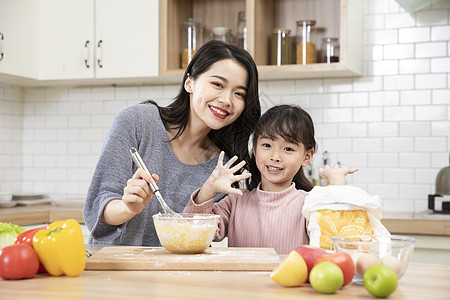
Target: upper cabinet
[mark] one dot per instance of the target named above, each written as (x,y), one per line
(51,42)
(67,38)
(338,19)
(98,39)
(19,38)
(54,40)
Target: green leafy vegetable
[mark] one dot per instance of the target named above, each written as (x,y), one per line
(8,233)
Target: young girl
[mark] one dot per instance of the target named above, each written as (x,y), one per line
(216,109)
(269,213)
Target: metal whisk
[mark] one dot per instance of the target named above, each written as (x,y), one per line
(154,188)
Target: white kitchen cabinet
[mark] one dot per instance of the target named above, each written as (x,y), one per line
(19,37)
(82,39)
(67,37)
(128,31)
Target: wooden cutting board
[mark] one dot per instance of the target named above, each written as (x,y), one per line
(212,259)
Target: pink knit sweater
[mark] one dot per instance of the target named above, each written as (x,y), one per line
(259,218)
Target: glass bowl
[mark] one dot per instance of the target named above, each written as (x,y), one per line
(192,233)
(400,247)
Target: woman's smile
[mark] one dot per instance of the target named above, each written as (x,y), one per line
(218,112)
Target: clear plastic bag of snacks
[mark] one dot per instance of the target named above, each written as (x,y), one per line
(341,210)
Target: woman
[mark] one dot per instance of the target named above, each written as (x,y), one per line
(216,109)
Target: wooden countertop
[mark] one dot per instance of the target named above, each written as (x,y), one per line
(421,281)
(398,223)
(41,213)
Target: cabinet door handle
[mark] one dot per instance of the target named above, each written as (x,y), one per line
(100,54)
(1,45)
(86,54)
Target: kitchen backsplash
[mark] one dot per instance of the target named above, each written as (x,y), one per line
(393,122)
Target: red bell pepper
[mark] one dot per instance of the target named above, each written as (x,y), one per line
(26,238)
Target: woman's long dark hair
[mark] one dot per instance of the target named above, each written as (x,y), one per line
(234,138)
(291,123)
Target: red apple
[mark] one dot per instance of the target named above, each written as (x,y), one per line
(310,254)
(344,261)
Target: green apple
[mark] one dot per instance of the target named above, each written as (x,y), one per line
(326,277)
(380,281)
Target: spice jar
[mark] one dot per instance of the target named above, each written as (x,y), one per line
(306,50)
(330,50)
(191,40)
(280,54)
(241,34)
(222,34)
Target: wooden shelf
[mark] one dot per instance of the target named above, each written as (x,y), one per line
(342,19)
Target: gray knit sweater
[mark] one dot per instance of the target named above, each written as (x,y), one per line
(138,126)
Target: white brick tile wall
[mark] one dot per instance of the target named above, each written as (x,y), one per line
(415,128)
(440,65)
(337,115)
(382,160)
(393,122)
(400,51)
(414,160)
(354,99)
(367,145)
(337,85)
(396,113)
(414,66)
(384,98)
(430,144)
(413,35)
(435,112)
(374,22)
(324,100)
(399,20)
(310,86)
(434,49)
(368,84)
(401,82)
(398,175)
(382,37)
(384,67)
(352,129)
(415,97)
(441,96)
(440,128)
(440,33)
(431,81)
(383,129)
(398,144)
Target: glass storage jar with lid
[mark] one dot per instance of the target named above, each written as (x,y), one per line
(330,50)
(241,34)
(281,41)
(222,34)
(191,40)
(306,49)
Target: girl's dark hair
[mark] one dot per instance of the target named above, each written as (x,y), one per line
(233,139)
(291,123)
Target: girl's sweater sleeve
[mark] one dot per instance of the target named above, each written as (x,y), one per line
(223,208)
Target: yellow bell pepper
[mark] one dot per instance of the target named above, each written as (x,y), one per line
(60,248)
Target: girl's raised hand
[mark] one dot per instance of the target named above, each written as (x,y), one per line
(221,179)
(336,175)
